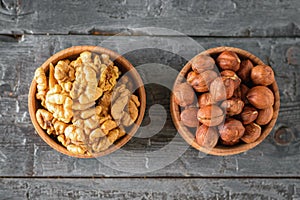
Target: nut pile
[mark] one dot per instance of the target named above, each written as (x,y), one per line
(83,107)
(229,108)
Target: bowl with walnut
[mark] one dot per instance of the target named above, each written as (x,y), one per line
(86,101)
(225,101)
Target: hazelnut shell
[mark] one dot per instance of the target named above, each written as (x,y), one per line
(221,89)
(260,97)
(201,82)
(184,94)
(229,60)
(211,115)
(233,106)
(201,63)
(264,116)
(231,130)
(262,75)
(245,70)
(249,114)
(228,74)
(205,100)
(207,136)
(252,133)
(189,117)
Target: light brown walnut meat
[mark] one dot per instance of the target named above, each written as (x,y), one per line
(132,114)
(60,104)
(108,140)
(44,119)
(41,80)
(76,149)
(120,99)
(84,87)
(125,106)
(108,125)
(52,80)
(63,140)
(64,72)
(108,78)
(59,127)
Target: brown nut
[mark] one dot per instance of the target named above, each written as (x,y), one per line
(221,89)
(231,130)
(245,70)
(249,114)
(201,82)
(233,106)
(230,143)
(262,75)
(264,116)
(205,100)
(252,133)
(244,90)
(211,115)
(229,60)
(184,94)
(207,136)
(228,74)
(261,97)
(189,117)
(201,63)
(237,93)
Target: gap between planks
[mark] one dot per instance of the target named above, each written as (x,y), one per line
(152,177)
(19,37)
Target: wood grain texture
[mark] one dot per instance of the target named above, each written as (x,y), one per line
(149,189)
(192,17)
(23,153)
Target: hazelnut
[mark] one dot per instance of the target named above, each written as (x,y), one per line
(264,116)
(189,117)
(249,114)
(201,82)
(231,75)
(221,89)
(245,70)
(184,94)
(233,106)
(252,133)
(230,143)
(237,93)
(229,60)
(261,97)
(205,100)
(207,136)
(262,75)
(210,115)
(201,63)
(231,130)
(244,91)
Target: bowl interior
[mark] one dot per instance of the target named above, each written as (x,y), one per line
(222,150)
(124,66)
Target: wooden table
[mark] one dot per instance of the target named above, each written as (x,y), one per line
(31,31)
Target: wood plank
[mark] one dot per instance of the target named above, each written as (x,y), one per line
(25,154)
(149,188)
(192,17)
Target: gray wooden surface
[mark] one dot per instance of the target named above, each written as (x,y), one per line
(31,31)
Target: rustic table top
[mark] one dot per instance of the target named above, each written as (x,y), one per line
(32,31)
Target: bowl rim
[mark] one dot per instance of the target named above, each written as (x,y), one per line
(222,150)
(76,50)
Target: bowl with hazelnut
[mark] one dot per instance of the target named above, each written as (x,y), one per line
(235,96)
(86,101)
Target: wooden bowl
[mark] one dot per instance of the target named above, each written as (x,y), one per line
(123,65)
(221,150)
